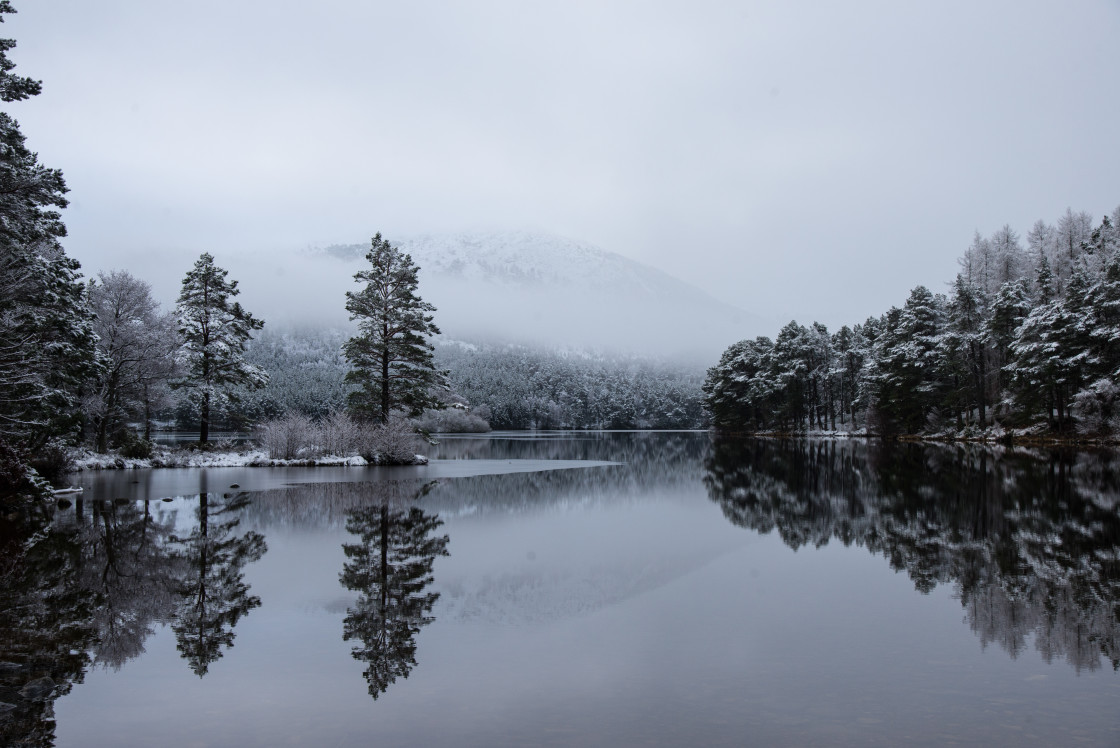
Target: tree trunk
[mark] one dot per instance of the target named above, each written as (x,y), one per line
(980,393)
(102,445)
(147,416)
(204,425)
(385,387)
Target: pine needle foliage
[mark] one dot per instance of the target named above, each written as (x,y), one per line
(214,332)
(391,356)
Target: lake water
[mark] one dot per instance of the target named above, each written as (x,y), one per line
(575,589)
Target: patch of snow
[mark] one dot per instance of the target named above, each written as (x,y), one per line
(88,460)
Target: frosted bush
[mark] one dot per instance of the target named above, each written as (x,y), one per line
(339,434)
(453,421)
(392,443)
(289,437)
(1097,408)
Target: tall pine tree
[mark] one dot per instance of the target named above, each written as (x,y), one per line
(391,357)
(46,339)
(214,333)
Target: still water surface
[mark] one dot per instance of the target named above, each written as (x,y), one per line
(586,589)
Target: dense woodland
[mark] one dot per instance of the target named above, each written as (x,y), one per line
(524,388)
(1027,337)
(502,387)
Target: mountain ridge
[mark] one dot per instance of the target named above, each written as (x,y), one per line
(535,287)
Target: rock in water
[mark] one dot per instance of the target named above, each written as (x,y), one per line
(38,689)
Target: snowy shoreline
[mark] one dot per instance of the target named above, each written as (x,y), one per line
(88,460)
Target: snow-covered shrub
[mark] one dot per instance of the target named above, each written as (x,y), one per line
(453,421)
(339,434)
(1097,408)
(53,460)
(17,478)
(392,443)
(286,438)
(133,446)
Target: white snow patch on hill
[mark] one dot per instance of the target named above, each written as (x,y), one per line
(543,289)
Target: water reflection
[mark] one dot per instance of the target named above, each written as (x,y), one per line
(47,625)
(630,447)
(127,566)
(211,596)
(652,463)
(86,584)
(390,568)
(1030,541)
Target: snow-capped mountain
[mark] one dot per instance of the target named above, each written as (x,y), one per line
(538,288)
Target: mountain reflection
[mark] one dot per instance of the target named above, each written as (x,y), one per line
(1030,541)
(390,569)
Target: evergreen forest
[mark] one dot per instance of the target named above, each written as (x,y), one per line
(1025,341)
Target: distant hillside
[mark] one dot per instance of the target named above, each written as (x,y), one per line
(549,290)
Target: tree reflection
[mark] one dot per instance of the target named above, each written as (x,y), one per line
(389,568)
(47,624)
(87,585)
(128,568)
(1031,542)
(212,595)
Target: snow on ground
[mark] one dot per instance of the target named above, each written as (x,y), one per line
(88,460)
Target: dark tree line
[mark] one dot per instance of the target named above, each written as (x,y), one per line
(1025,336)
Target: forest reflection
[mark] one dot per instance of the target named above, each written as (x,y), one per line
(1029,540)
(86,585)
(663,462)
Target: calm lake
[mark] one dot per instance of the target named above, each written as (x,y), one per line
(575,589)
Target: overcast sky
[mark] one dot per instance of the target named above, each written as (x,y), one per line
(798,159)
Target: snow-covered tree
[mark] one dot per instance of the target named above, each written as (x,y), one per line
(1010,260)
(1009,309)
(46,338)
(1015,340)
(1072,231)
(907,383)
(1050,355)
(214,332)
(964,349)
(137,344)
(391,356)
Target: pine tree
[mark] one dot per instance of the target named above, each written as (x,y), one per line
(46,339)
(1044,281)
(1009,309)
(964,349)
(214,334)
(391,357)
(906,376)
(738,390)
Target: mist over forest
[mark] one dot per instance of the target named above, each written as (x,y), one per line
(517,287)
